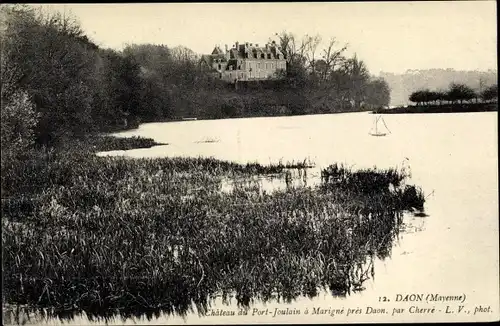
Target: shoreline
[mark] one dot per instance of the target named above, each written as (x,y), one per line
(445,108)
(249,117)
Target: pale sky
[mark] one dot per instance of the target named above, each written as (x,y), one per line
(389,37)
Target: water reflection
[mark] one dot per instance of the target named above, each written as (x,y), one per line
(291,178)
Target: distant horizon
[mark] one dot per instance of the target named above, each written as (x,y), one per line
(387,36)
(448,69)
(409,71)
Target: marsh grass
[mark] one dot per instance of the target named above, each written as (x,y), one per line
(111,143)
(111,236)
(389,182)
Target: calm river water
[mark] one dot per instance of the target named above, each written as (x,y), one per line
(453,157)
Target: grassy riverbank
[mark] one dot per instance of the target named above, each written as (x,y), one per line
(117,236)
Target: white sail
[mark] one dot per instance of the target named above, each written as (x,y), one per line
(379,127)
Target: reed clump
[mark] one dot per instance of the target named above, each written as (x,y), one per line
(388,183)
(112,236)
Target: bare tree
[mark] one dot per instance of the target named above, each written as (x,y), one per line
(295,53)
(332,58)
(181,53)
(310,46)
(287,44)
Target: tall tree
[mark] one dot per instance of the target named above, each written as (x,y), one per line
(460,92)
(56,62)
(311,46)
(357,73)
(378,93)
(183,54)
(332,58)
(490,93)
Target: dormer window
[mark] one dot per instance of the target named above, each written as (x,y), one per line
(269,55)
(262,56)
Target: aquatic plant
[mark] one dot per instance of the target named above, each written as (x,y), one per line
(364,180)
(113,236)
(389,182)
(412,197)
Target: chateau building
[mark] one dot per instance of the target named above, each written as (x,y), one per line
(245,62)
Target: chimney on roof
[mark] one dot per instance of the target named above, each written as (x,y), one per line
(256,45)
(226,47)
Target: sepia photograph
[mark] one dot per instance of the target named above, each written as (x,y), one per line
(246,163)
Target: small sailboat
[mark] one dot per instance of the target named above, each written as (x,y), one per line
(376,130)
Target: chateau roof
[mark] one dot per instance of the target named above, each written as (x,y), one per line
(239,51)
(217,50)
(208,59)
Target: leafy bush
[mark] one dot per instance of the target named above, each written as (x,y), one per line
(18,120)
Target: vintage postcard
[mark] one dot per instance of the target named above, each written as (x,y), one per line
(236,163)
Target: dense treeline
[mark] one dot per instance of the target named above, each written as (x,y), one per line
(73,87)
(405,83)
(331,81)
(457,99)
(457,93)
(174,87)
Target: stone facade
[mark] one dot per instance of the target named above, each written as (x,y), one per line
(245,62)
